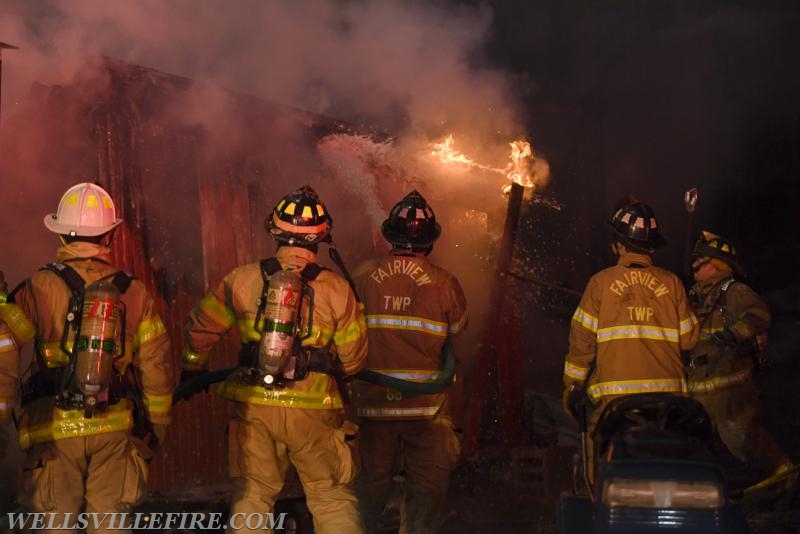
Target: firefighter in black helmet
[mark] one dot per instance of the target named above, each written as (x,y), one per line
(631,326)
(412,307)
(297,418)
(635,227)
(300,219)
(731,317)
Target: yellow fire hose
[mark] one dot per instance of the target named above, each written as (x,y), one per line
(771,480)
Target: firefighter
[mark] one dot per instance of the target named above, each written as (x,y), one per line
(412,307)
(99,386)
(9,371)
(732,316)
(631,326)
(288,406)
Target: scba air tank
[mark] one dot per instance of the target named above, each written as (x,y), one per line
(280,316)
(97,341)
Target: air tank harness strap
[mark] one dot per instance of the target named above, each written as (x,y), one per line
(318,359)
(53,381)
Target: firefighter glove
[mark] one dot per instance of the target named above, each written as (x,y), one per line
(722,338)
(574,400)
(186,376)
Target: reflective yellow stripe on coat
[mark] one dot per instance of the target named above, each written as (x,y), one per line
(628,387)
(404,322)
(321,396)
(16,320)
(71,424)
(423,406)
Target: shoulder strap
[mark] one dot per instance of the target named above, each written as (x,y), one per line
(122,280)
(725,285)
(311,272)
(76,283)
(70,276)
(271,266)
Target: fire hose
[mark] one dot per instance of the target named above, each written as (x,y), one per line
(202,381)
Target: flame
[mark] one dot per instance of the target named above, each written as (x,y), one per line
(517,170)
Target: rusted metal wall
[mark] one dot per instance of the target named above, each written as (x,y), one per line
(229,227)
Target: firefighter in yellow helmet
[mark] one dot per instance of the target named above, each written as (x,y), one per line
(731,317)
(299,325)
(631,326)
(100,383)
(413,306)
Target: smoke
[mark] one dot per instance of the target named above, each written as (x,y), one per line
(392,63)
(413,68)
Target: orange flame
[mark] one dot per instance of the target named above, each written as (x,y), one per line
(517,170)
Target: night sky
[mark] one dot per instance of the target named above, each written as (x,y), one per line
(653,98)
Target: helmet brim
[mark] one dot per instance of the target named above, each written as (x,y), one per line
(52,224)
(709,252)
(402,240)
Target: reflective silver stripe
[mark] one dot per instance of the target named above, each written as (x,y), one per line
(719,382)
(419,375)
(573,371)
(627,387)
(399,322)
(7,344)
(687,324)
(458,326)
(586,320)
(428,411)
(5,407)
(637,332)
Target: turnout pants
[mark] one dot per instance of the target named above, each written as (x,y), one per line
(264,440)
(104,470)
(429,450)
(735,413)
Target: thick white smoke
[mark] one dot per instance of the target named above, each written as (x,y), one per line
(411,67)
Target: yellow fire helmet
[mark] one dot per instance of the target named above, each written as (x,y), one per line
(86,209)
(711,245)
